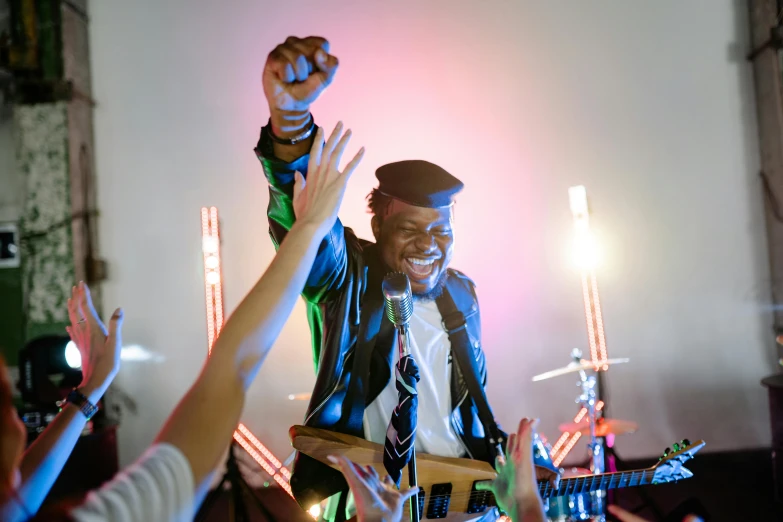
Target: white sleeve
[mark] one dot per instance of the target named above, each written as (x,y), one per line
(157,487)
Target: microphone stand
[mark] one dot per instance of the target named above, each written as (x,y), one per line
(403,345)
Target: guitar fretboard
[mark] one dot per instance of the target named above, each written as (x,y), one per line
(587,483)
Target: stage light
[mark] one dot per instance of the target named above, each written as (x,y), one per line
(47,370)
(211,262)
(72,356)
(315,511)
(587,255)
(213,278)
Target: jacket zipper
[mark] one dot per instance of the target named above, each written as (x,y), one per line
(458,431)
(334,389)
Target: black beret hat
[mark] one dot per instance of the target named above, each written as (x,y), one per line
(419,183)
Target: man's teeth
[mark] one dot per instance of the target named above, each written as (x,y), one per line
(424,262)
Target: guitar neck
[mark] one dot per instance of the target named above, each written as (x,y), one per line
(588,483)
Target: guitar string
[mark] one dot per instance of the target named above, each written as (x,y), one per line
(545,488)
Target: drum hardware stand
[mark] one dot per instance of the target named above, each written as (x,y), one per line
(603,457)
(595,446)
(239,488)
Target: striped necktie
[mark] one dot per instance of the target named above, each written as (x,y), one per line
(401,434)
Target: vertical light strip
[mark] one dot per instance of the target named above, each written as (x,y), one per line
(215,232)
(586,293)
(208,249)
(599,323)
(213,292)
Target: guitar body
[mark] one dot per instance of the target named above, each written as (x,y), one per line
(448,485)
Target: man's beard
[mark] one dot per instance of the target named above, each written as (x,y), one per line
(437,289)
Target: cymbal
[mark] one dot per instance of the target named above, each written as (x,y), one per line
(602,428)
(572,367)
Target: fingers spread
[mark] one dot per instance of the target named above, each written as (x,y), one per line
(353,164)
(315,152)
(511,446)
(332,141)
(115,325)
(337,155)
(408,493)
(349,470)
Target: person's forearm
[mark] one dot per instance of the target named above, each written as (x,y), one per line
(256,323)
(44,460)
(203,421)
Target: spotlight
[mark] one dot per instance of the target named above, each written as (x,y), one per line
(72,356)
(315,510)
(49,367)
(587,254)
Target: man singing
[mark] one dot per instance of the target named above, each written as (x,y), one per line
(353,341)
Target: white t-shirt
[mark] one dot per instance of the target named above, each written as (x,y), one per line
(158,487)
(430,348)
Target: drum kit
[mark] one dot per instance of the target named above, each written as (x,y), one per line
(587,506)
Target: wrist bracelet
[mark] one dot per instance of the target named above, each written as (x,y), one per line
(79,400)
(296,139)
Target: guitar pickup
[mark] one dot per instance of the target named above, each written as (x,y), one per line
(479,500)
(440,497)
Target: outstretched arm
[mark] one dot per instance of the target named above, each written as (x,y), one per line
(296,73)
(202,423)
(43,461)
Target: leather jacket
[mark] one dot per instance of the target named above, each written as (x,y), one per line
(345,312)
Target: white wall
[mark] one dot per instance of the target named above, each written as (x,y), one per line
(649,104)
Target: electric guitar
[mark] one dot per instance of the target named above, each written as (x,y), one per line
(448,485)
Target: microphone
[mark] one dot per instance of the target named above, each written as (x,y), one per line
(399,306)
(399,298)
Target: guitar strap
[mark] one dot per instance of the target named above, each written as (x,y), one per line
(455,323)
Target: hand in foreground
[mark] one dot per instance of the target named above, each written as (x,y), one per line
(317,200)
(626,516)
(516,488)
(376,500)
(297,72)
(99,348)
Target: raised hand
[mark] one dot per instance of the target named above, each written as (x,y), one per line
(98,346)
(376,500)
(317,200)
(297,72)
(516,487)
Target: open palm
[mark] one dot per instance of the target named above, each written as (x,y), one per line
(317,199)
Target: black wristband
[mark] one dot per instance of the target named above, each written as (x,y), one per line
(79,400)
(296,139)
